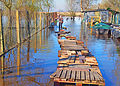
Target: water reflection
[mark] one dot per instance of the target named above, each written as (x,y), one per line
(33,62)
(103,47)
(18,60)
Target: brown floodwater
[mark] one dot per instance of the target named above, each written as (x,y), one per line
(34,61)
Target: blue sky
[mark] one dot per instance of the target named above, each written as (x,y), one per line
(59,5)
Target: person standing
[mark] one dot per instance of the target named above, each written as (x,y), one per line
(60,22)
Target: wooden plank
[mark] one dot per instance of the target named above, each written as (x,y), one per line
(100,77)
(63,74)
(63,61)
(68,74)
(91,76)
(87,75)
(78,75)
(58,74)
(82,57)
(82,75)
(63,56)
(96,76)
(54,74)
(73,75)
(72,59)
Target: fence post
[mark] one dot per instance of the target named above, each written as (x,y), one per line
(47,19)
(40,21)
(44,20)
(91,25)
(35,16)
(40,38)
(18,41)
(17,27)
(18,60)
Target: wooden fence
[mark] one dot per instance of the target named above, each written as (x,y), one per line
(24,25)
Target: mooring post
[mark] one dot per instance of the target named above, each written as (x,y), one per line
(17,27)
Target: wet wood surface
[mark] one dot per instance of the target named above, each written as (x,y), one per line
(76,64)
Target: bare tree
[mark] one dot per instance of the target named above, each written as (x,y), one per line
(88,4)
(73,6)
(8,5)
(111,4)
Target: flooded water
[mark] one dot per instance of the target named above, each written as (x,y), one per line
(34,61)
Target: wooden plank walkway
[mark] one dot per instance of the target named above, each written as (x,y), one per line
(78,76)
(76,65)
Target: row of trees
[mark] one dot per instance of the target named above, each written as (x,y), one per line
(31,5)
(25,5)
(110,4)
(80,5)
(84,5)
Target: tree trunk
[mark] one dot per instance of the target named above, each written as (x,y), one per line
(28,23)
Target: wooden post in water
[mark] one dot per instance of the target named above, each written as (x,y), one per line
(2,47)
(112,21)
(47,19)
(18,60)
(35,45)
(17,27)
(1,50)
(109,17)
(44,25)
(35,22)
(91,24)
(44,20)
(99,19)
(40,38)
(40,21)
(117,18)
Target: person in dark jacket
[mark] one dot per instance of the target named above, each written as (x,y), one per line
(60,22)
